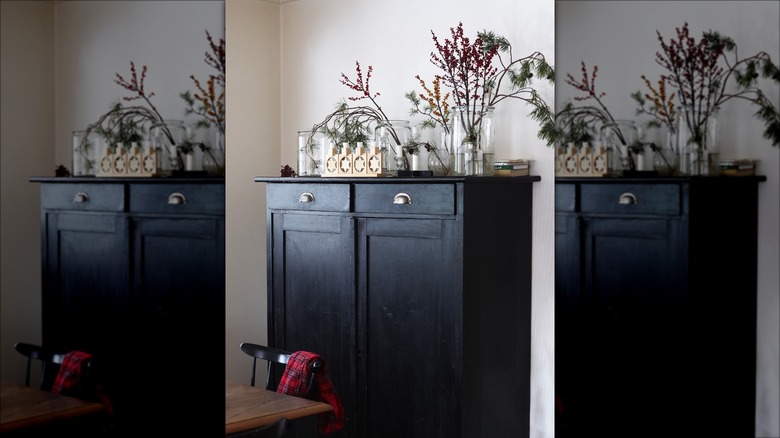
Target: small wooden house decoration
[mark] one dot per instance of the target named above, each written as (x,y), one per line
(586,161)
(141,162)
(360,162)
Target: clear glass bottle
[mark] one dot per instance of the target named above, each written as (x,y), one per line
(391,136)
(439,157)
(665,156)
(86,153)
(486,145)
(472,157)
(166,139)
(311,153)
(473,137)
(698,141)
(618,137)
(214,155)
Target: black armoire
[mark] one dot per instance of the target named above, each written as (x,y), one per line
(656,306)
(416,291)
(133,271)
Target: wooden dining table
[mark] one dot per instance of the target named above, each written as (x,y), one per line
(26,410)
(249,407)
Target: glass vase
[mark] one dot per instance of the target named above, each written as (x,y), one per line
(619,137)
(473,136)
(311,153)
(214,156)
(391,136)
(665,156)
(439,162)
(167,139)
(418,153)
(86,153)
(697,141)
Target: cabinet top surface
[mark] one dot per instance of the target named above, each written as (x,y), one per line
(128,180)
(406,180)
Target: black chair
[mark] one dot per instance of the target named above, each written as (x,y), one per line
(50,363)
(274,358)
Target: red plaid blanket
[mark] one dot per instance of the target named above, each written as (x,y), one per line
(69,377)
(298,379)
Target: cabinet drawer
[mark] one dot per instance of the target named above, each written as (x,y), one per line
(177,198)
(318,197)
(661,199)
(405,198)
(88,197)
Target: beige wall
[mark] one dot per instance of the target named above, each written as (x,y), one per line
(26,139)
(254,145)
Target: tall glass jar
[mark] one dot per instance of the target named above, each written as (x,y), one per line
(439,162)
(473,136)
(698,132)
(619,137)
(196,139)
(86,153)
(166,138)
(214,155)
(311,153)
(391,136)
(665,156)
(418,152)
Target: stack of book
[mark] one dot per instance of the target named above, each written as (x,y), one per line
(516,167)
(737,167)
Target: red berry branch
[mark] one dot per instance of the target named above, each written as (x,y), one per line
(468,71)
(210,102)
(701,71)
(480,77)
(150,114)
(573,118)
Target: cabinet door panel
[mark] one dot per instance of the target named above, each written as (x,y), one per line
(568,301)
(179,297)
(633,264)
(567,263)
(175,273)
(85,280)
(627,336)
(406,287)
(313,293)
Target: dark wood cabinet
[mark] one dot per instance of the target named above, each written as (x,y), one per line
(417,292)
(133,272)
(656,306)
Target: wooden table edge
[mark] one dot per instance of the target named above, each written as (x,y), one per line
(316,407)
(244,425)
(90,408)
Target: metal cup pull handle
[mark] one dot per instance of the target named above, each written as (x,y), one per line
(80,197)
(306,198)
(177,199)
(627,199)
(402,199)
